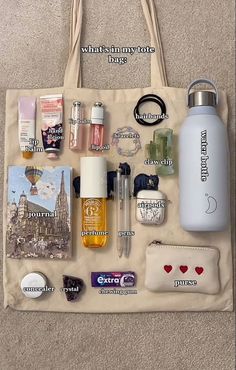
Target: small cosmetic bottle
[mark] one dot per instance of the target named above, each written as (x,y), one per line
(150,207)
(33,280)
(76,127)
(93,192)
(97,126)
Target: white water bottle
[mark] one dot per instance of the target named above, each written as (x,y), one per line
(203,164)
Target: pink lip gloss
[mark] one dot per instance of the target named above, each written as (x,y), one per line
(97,127)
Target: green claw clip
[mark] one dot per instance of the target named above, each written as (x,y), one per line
(160,150)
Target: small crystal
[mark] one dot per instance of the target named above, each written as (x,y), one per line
(74,285)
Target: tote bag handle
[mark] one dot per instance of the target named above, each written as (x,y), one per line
(73,77)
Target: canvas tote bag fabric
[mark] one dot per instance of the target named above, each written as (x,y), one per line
(120,105)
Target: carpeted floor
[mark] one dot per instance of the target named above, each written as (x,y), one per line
(198,40)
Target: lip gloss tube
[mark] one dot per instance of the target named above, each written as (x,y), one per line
(76,127)
(97,126)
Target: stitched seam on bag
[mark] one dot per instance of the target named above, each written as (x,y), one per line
(181,247)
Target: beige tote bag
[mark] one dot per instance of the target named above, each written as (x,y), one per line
(120,105)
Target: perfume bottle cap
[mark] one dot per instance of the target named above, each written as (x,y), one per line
(93,177)
(32,284)
(97,115)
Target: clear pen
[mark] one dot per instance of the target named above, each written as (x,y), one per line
(126,205)
(122,198)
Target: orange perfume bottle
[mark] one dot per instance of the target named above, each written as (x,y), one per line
(93,192)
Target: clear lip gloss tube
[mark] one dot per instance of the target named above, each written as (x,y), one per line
(76,127)
(97,126)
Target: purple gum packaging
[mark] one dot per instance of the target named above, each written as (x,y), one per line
(113,279)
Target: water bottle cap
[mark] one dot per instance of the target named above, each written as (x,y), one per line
(203,97)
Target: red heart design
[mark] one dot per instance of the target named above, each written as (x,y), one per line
(168,268)
(199,270)
(183,269)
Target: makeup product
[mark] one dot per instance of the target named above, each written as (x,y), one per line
(52,118)
(122,198)
(113,279)
(73,287)
(97,126)
(160,152)
(126,140)
(33,284)
(150,207)
(76,127)
(26,125)
(203,164)
(93,191)
(149,119)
